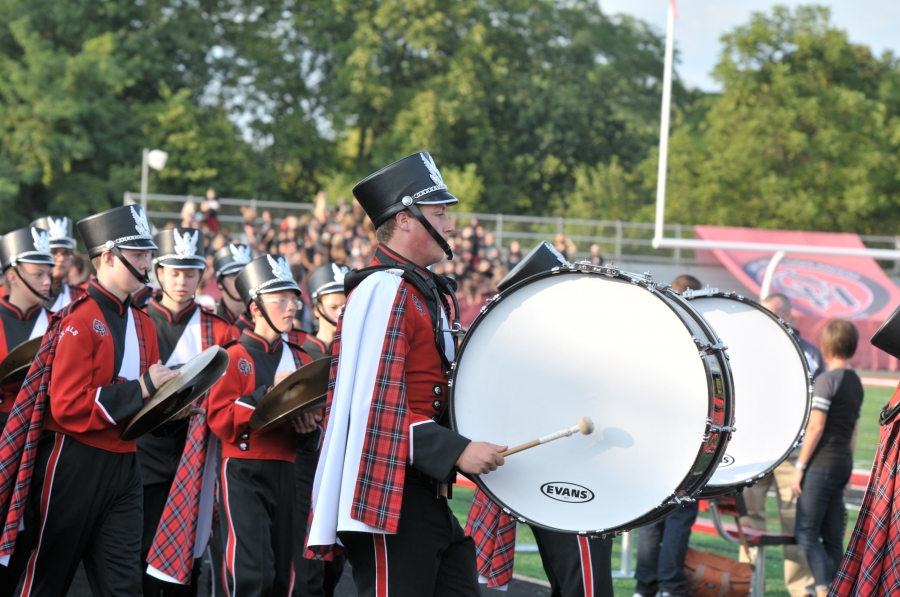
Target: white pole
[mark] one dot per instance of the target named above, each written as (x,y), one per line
(664,128)
(144,176)
(770,273)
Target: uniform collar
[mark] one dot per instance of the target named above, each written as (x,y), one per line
(223,312)
(185,314)
(108,299)
(386,256)
(9,309)
(246,321)
(253,340)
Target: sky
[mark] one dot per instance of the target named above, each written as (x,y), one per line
(700,24)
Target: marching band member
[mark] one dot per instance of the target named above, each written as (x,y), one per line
(181,448)
(62,446)
(228,263)
(257,473)
(27,264)
(61,247)
(326,295)
(381,482)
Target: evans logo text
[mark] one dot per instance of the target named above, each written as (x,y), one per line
(567,492)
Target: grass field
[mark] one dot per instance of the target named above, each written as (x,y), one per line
(529,564)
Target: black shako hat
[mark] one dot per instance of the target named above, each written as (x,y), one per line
(178,248)
(414,180)
(540,259)
(124,227)
(60,229)
(231,259)
(25,245)
(269,273)
(328,279)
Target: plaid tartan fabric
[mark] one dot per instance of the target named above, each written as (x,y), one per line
(494,533)
(382,468)
(172,551)
(19,440)
(382,472)
(869,566)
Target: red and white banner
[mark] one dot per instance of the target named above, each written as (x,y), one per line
(821,287)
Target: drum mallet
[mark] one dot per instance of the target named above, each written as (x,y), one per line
(585,426)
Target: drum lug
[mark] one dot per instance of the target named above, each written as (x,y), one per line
(704,292)
(496,297)
(722,429)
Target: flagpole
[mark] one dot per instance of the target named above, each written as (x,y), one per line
(664,128)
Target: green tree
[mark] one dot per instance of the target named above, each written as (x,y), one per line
(805,134)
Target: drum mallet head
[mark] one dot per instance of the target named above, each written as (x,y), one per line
(585,426)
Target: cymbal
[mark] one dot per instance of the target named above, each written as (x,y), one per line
(194,378)
(306,389)
(15,366)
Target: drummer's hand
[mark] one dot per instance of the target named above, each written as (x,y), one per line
(796,480)
(480,458)
(304,423)
(159,374)
(279,377)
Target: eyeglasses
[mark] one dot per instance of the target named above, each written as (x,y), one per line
(284,303)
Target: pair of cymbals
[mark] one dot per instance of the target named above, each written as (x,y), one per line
(304,390)
(194,378)
(14,368)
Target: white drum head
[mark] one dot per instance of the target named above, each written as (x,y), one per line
(771,388)
(567,346)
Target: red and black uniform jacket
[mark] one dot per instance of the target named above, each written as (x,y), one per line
(250,374)
(161,451)
(435,446)
(105,345)
(15,328)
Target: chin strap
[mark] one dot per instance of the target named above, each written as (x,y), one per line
(142,278)
(442,243)
(323,316)
(236,299)
(259,305)
(43,297)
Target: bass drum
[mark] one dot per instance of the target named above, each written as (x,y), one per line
(772,380)
(593,341)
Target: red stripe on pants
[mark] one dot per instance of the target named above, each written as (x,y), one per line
(45,502)
(587,572)
(381,565)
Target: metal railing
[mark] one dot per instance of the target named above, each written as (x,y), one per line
(618,241)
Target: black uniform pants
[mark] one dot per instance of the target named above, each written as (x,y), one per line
(155,497)
(429,555)
(576,566)
(258,499)
(84,504)
(312,578)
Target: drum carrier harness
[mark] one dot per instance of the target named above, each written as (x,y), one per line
(435,290)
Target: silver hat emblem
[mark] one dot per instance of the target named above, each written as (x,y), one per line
(241,253)
(186,245)
(433,170)
(59,228)
(41,241)
(339,272)
(140,223)
(280,268)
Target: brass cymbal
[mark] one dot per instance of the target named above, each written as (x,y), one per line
(305,389)
(14,367)
(195,377)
